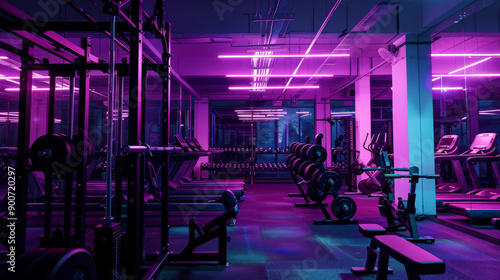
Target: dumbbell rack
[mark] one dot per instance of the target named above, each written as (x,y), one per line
(247,169)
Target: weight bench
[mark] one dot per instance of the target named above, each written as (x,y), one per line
(216,228)
(370,231)
(416,260)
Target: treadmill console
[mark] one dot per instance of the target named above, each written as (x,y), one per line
(179,141)
(447,144)
(484,143)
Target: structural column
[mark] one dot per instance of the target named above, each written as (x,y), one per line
(322,111)
(413,118)
(363,118)
(202,129)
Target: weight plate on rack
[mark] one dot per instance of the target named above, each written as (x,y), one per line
(315,178)
(330,182)
(303,151)
(296,166)
(309,171)
(288,159)
(343,207)
(316,195)
(316,154)
(302,169)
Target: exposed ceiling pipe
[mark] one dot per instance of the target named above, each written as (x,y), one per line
(312,43)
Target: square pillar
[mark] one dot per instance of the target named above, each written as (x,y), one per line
(413,118)
(322,111)
(202,129)
(363,118)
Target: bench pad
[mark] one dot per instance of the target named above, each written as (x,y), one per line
(409,254)
(371,230)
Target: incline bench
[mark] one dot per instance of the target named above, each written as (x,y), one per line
(416,260)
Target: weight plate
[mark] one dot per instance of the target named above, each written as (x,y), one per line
(316,154)
(356,168)
(303,151)
(316,195)
(315,178)
(288,159)
(296,150)
(51,153)
(343,208)
(296,166)
(382,208)
(330,182)
(56,263)
(302,169)
(309,171)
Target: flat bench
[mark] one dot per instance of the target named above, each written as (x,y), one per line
(370,231)
(416,260)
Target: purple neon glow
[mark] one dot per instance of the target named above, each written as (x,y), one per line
(460,69)
(302,113)
(17,78)
(277,76)
(3,57)
(447,88)
(467,75)
(470,65)
(464,54)
(40,89)
(284,55)
(279,87)
(259,110)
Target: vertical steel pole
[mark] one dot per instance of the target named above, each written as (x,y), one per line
(23,142)
(111,102)
(83,136)
(135,195)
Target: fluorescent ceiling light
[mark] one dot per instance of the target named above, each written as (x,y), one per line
(17,77)
(284,55)
(448,88)
(468,75)
(342,113)
(470,65)
(40,89)
(464,54)
(279,87)
(278,76)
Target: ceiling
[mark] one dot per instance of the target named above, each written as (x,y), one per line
(203,30)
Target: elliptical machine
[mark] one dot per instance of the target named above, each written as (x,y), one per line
(376,180)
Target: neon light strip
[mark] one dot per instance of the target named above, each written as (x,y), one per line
(281,87)
(475,63)
(342,113)
(277,76)
(447,88)
(260,110)
(3,57)
(17,78)
(40,89)
(464,54)
(468,75)
(284,55)
(302,113)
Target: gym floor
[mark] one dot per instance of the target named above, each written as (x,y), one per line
(272,239)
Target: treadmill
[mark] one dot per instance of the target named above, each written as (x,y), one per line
(483,148)
(448,146)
